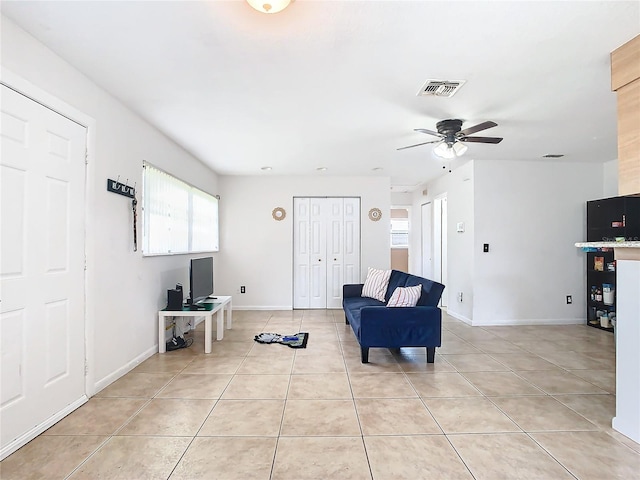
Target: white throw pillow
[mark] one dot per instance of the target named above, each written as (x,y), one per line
(375,286)
(405,296)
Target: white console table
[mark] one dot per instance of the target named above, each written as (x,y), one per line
(217,305)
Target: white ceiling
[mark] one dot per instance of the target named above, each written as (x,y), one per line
(333,83)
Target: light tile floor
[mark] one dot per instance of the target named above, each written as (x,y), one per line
(499,403)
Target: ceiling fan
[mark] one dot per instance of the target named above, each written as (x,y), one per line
(451,133)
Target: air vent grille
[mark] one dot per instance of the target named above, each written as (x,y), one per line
(440,88)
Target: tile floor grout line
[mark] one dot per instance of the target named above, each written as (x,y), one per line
(552,456)
(86,459)
(351,348)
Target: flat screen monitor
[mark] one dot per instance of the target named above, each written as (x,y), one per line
(200,279)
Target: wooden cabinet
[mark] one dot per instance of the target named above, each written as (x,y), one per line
(625,80)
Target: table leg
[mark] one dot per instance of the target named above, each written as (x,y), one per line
(162,346)
(219,324)
(229,316)
(207,333)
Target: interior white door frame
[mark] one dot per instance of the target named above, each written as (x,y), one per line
(440,243)
(426,239)
(35,93)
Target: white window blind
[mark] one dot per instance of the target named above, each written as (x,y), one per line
(399,233)
(178,218)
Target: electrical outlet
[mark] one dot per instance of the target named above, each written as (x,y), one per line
(569,300)
(242,289)
(460,297)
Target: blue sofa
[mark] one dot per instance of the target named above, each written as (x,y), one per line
(376,325)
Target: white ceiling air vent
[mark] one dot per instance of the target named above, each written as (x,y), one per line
(440,88)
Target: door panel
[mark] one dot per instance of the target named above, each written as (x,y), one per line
(351,251)
(42,271)
(318,258)
(335,246)
(301,271)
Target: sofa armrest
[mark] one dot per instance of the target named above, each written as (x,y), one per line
(352,290)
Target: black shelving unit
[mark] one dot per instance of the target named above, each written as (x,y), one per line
(596,279)
(608,220)
(613,218)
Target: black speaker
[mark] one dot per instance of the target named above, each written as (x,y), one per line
(174,299)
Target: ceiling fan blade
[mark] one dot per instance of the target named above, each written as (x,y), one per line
(477,128)
(481,139)
(418,144)
(430,132)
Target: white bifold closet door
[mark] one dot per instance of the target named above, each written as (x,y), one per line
(326,249)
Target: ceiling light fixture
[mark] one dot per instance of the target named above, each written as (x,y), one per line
(266,169)
(322,169)
(449,151)
(269,6)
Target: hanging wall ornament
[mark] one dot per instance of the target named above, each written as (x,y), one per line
(375,214)
(278,213)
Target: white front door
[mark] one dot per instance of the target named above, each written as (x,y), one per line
(42,321)
(326,250)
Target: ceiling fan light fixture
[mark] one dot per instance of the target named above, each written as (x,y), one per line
(460,149)
(269,6)
(443,150)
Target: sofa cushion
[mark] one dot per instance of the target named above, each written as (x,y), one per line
(352,310)
(405,296)
(375,286)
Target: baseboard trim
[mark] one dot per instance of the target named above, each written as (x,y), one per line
(462,318)
(529,321)
(112,377)
(38,429)
(262,307)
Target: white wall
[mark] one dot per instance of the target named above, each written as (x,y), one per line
(124,290)
(531,214)
(610,179)
(257,251)
(459,187)
(401,198)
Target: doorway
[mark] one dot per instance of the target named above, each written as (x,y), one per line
(42,268)
(326,245)
(400,238)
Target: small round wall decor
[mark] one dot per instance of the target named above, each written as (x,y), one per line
(375,214)
(278,213)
